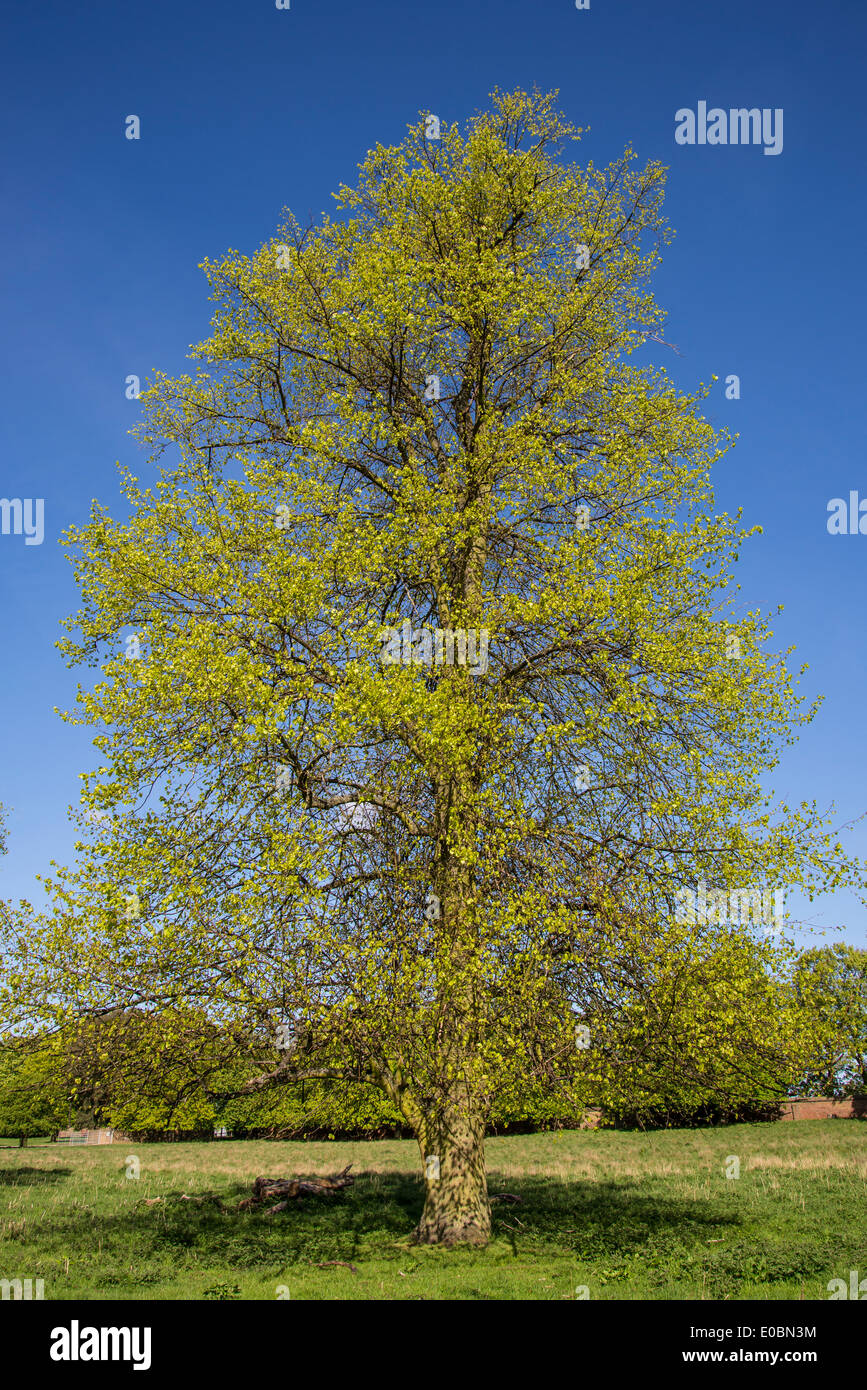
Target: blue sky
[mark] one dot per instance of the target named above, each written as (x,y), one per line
(246,109)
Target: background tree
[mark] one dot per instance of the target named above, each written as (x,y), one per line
(33,1097)
(831,986)
(134,1069)
(423,412)
(720,1030)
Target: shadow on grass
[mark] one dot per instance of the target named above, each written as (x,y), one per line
(375,1219)
(618,1232)
(605,1221)
(11,1177)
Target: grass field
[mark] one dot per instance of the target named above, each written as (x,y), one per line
(627,1215)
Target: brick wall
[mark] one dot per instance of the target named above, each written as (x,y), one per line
(821,1108)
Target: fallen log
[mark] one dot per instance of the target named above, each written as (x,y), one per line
(290,1189)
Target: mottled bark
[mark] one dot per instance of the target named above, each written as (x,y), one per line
(456,1208)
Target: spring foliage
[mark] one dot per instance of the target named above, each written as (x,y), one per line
(432,406)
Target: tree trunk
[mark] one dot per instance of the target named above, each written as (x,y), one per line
(22,1141)
(456,1208)
(450,1123)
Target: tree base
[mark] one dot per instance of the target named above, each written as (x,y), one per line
(442,1231)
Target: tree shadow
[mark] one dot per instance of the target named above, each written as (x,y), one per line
(10,1177)
(206,1229)
(592,1218)
(374,1218)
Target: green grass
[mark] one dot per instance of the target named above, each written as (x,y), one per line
(631,1216)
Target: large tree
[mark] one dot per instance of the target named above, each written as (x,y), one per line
(387,863)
